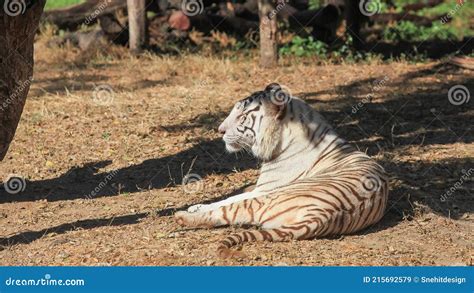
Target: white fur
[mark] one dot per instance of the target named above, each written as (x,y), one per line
(273,137)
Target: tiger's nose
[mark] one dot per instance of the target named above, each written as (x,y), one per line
(221,129)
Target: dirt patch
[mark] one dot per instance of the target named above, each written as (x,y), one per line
(104,147)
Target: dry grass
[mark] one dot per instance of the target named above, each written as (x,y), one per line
(163,116)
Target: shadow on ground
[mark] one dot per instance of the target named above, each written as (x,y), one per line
(204,158)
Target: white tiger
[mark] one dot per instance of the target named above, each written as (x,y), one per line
(312,182)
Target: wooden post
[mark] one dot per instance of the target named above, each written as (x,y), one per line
(19,21)
(268,33)
(136,24)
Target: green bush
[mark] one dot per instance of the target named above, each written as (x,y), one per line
(408,31)
(304,47)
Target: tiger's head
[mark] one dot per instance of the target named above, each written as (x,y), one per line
(255,123)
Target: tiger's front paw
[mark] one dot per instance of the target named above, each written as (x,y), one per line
(192,220)
(182,218)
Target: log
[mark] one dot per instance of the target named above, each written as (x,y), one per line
(206,22)
(180,21)
(463,61)
(87,13)
(18,26)
(110,31)
(419,6)
(136,24)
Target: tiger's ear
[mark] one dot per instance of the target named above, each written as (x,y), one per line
(278,98)
(273,86)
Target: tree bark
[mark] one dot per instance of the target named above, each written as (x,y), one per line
(268,33)
(136,24)
(19,22)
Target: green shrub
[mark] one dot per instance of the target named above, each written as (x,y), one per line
(408,31)
(304,47)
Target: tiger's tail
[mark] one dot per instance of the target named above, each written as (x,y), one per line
(283,234)
(224,249)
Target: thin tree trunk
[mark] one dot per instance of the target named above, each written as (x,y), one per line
(268,33)
(19,22)
(137,24)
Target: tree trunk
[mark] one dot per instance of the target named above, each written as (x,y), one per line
(268,33)
(19,22)
(136,24)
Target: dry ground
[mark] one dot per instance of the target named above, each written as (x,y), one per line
(160,123)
